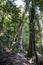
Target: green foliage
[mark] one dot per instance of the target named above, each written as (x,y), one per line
(41,5)
(15,50)
(10,17)
(26,34)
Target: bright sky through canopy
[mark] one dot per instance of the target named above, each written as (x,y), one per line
(22,4)
(19,3)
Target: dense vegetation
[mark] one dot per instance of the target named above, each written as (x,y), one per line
(20,30)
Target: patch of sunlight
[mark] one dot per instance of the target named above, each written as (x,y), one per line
(1,34)
(42,44)
(13,43)
(9,16)
(3,3)
(19,3)
(1,13)
(42,40)
(31,60)
(42,31)
(19,54)
(22,55)
(7,49)
(24,64)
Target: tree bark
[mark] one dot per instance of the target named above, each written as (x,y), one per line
(32,31)
(19,28)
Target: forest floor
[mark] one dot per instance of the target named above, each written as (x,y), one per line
(20,59)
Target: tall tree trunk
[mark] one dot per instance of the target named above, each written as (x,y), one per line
(32,31)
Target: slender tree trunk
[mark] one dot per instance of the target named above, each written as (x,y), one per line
(21,22)
(19,36)
(18,29)
(42,48)
(39,24)
(42,38)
